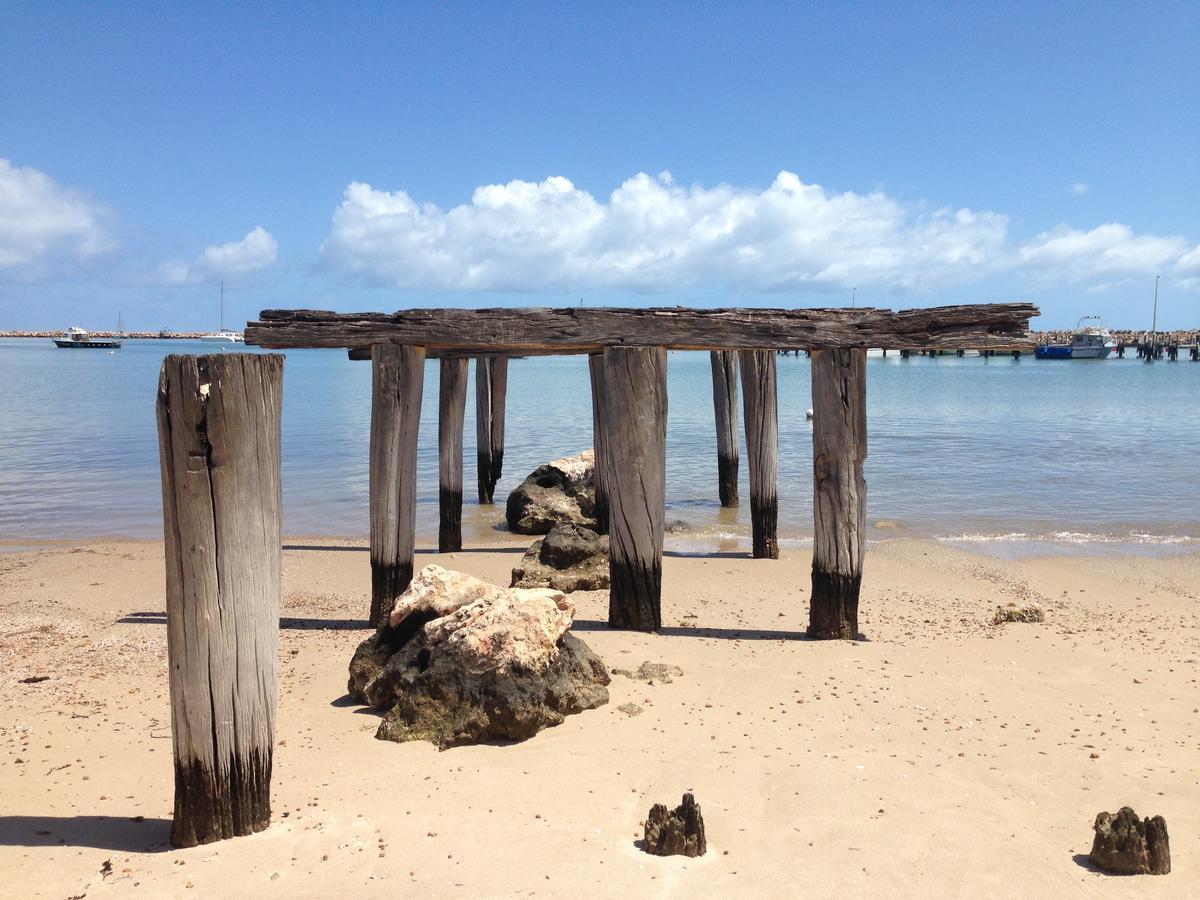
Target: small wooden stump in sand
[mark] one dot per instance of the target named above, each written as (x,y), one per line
(218,430)
(678,832)
(1127,845)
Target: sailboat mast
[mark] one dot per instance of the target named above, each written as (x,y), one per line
(222,328)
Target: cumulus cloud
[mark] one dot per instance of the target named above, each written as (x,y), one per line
(230,262)
(41,221)
(1107,251)
(652,234)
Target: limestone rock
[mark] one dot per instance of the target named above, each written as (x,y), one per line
(676,833)
(1014,613)
(563,490)
(569,558)
(1127,845)
(650,672)
(461,661)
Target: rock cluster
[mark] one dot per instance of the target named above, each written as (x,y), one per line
(1127,845)
(569,558)
(461,661)
(563,490)
(1011,612)
(678,832)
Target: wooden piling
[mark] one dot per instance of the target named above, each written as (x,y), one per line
(762,449)
(491,387)
(398,375)
(635,421)
(599,440)
(452,404)
(725,401)
(839,492)
(218,432)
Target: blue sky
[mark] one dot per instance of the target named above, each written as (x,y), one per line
(363,156)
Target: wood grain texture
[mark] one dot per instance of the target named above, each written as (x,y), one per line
(590,329)
(725,404)
(219,449)
(839,394)
(491,390)
(762,448)
(599,439)
(398,375)
(452,406)
(635,398)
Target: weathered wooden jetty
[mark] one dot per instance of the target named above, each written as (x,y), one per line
(627,363)
(219,437)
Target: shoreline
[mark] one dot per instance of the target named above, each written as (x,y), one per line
(939,751)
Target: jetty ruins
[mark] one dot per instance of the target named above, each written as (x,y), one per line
(219,438)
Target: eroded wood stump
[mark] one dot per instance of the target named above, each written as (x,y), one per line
(678,832)
(1127,845)
(218,429)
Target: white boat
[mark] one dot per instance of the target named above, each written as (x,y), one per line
(223,336)
(1091,341)
(1087,342)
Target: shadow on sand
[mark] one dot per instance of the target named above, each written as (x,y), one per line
(288,622)
(136,835)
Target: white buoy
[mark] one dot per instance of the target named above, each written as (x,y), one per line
(808,414)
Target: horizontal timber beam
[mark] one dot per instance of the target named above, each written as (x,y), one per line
(529,331)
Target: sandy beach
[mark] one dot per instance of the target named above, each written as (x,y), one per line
(940,756)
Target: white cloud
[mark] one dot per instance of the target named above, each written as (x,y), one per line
(1079,188)
(1107,251)
(654,235)
(41,221)
(232,261)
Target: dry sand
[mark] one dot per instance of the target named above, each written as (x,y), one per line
(941,756)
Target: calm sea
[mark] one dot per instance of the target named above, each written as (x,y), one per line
(1011,456)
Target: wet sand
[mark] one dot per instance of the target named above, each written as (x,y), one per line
(940,756)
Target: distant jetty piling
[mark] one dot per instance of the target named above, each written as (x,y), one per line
(219,448)
(725,403)
(491,390)
(452,408)
(626,350)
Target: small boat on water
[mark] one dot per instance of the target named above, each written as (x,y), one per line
(1087,342)
(78,339)
(223,336)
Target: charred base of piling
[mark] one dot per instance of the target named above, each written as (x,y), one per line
(209,808)
(450,520)
(764,518)
(833,609)
(388,581)
(635,596)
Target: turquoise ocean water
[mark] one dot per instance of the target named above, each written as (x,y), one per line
(1002,455)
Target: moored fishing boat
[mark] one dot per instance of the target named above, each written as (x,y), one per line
(77,338)
(1087,342)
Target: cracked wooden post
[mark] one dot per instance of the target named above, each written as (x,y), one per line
(491,386)
(725,402)
(635,422)
(398,374)
(218,435)
(599,440)
(839,395)
(762,449)
(452,404)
